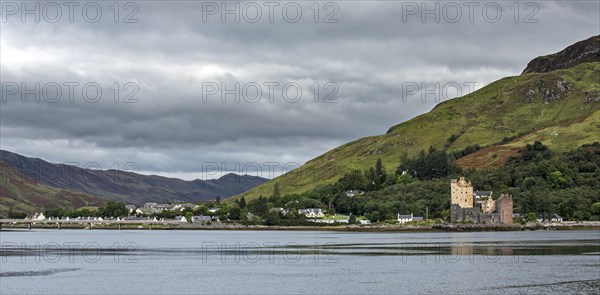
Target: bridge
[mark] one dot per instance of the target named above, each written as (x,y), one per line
(59,222)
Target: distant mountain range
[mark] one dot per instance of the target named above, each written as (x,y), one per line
(19,193)
(556,100)
(28,184)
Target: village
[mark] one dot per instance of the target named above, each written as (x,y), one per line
(467,206)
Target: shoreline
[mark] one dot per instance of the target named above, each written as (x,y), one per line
(446,227)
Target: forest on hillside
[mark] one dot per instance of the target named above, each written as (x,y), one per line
(541,181)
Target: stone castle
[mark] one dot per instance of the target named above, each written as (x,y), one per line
(478,206)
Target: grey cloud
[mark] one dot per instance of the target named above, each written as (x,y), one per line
(171,52)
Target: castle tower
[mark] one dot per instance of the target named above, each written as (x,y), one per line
(504,206)
(461,192)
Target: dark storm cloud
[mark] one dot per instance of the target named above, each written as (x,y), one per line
(171,53)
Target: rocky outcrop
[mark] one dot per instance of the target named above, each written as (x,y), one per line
(547,91)
(578,53)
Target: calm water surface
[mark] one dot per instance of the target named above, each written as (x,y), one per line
(298,262)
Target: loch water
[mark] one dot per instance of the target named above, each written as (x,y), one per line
(298,262)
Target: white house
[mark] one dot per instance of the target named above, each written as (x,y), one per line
(408,218)
(201,218)
(405,218)
(181,219)
(555,218)
(39,216)
(312,212)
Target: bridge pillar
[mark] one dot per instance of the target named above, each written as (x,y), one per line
(29,225)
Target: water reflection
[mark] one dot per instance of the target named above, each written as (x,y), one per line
(488,248)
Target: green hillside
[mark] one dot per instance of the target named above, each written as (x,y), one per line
(19,193)
(560,107)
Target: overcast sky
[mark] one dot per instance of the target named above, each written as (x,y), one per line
(173,59)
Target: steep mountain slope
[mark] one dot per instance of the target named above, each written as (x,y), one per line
(129,187)
(556,100)
(19,193)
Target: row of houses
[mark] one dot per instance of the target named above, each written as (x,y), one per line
(196,218)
